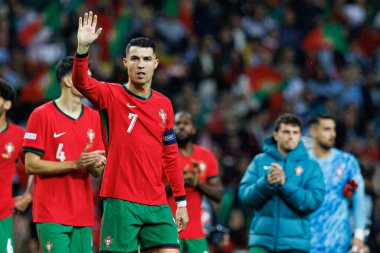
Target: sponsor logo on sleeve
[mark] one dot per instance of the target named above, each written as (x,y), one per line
(30,136)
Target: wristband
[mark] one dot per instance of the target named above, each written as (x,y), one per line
(181,203)
(360,234)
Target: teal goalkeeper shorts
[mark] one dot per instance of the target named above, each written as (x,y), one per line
(128,227)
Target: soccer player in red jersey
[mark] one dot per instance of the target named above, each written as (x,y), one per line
(201,175)
(141,145)
(62,146)
(11,137)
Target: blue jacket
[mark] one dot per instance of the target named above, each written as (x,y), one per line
(280,220)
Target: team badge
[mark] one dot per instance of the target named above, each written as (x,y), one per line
(108,241)
(339,171)
(48,246)
(298,170)
(91,135)
(163,117)
(9,148)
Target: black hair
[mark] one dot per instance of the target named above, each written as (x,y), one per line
(64,67)
(7,92)
(141,42)
(189,115)
(316,118)
(287,118)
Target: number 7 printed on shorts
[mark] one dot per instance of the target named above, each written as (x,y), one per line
(132,116)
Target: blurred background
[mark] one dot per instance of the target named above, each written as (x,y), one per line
(234,64)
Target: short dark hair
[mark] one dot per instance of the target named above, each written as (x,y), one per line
(141,42)
(287,118)
(7,92)
(64,67)
(316,118)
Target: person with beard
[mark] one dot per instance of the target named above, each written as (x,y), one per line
(201,176)
(330,224)
(283,186)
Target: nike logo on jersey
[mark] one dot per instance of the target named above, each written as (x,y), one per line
(131,106)
(267,167)
(58,135)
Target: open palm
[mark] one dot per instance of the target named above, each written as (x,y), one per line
(87,32)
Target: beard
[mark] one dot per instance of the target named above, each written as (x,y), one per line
(325,146)
(183,141)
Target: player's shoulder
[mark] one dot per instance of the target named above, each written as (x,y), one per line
(343,155)
(44,109)
(159,95)
(202,150)
(16,128)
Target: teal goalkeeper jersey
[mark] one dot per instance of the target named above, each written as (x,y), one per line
(330,224)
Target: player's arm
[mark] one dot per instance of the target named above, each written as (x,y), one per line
(212,189)
(358,205)
(23,201)
(37,166)
(97,168)
(254,190)
(96,92)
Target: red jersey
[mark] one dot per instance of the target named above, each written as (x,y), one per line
(10,152)
(208,166)
(140,140)
(64,198)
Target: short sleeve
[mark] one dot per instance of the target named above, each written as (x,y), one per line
(35,135)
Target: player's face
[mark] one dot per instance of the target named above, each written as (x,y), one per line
(140,63)
(183,128)
(287,137)
(5,105)
(324,133)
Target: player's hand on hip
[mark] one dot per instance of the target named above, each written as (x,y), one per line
(181,218)
(87,32)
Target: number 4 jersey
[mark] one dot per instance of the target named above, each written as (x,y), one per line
(63,198)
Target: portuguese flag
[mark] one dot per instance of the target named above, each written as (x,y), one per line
(329,36)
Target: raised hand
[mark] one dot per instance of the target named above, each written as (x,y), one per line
(87,32)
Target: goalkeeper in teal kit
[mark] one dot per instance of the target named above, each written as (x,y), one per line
(330,224)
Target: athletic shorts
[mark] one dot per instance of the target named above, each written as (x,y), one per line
(194,245)
(6,235)
(57,238)
(128,227)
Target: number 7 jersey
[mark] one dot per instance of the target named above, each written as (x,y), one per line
(140,140)
(63,198)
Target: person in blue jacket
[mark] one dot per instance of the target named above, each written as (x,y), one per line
(283,186)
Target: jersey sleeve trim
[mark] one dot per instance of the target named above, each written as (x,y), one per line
(180,198)
(169,137)
(81,55)
(212,177)
(33,150)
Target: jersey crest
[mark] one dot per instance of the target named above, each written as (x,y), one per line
(299,170)
(108,241)
(9,148)
(162,114)
(48,246)
(91,135)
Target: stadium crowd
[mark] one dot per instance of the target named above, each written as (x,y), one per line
(235,65)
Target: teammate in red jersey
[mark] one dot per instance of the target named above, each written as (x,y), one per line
(140,145)
(62,146)
(201,174)
(10,154)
